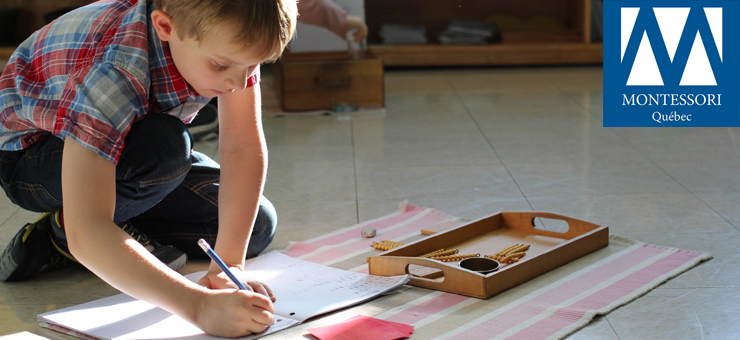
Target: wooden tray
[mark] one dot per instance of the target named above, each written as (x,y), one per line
(548,250)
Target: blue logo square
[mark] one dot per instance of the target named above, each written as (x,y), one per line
(671,63)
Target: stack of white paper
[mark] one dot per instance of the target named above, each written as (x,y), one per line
(402,34)
(460,32)
(303,290)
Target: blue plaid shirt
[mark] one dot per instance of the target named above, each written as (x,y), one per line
(89,75)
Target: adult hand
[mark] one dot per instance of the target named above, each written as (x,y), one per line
(355,23)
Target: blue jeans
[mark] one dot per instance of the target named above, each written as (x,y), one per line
(168,191)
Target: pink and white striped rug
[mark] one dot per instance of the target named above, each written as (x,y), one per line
(551,306)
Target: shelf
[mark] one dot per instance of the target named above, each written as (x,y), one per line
(571,46)
(494,54)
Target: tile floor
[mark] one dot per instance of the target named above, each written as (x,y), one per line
(472,142)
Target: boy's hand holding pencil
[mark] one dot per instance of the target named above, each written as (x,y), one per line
(234,313)
(230,277)
(221,281)
(224,306)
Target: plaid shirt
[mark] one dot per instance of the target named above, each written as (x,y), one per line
(89,75)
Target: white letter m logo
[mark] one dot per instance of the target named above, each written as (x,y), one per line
(671,22)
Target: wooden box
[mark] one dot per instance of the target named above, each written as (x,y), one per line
(320,80)
(548,250)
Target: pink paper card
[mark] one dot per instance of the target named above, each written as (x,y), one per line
(404,328)
(363,328)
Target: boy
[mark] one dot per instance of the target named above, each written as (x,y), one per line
(322,13)
(92,108)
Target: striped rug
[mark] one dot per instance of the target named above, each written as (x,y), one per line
(550,306)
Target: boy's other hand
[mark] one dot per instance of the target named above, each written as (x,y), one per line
(355,23)
(219,280)
(234,313)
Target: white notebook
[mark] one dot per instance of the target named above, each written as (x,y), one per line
(303,289)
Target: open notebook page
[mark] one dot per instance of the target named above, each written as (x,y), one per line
(303,290)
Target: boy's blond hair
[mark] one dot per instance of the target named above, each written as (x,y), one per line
(269,24)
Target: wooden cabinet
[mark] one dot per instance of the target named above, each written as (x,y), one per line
(31,18)
(320,80)
(570,44)
(5,52)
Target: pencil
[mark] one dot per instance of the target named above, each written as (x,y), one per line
(212,254)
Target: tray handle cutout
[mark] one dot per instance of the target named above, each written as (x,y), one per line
(551,224)
(421,272)
(527,220)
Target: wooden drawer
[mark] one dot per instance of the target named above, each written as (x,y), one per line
(316,81)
